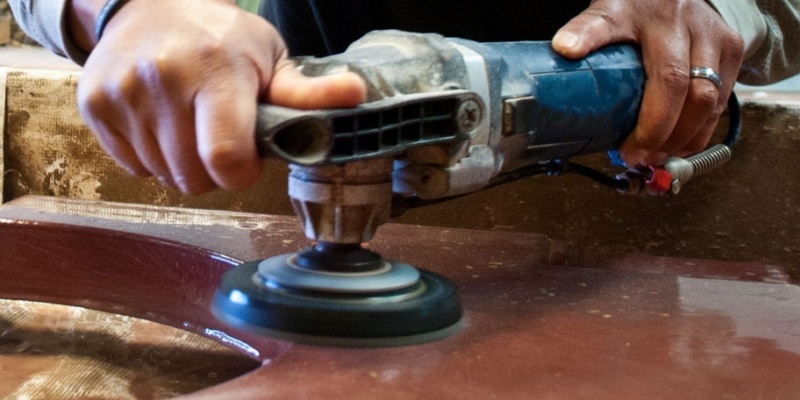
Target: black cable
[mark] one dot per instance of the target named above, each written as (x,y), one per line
(734,122)
(597,176)
(562,166)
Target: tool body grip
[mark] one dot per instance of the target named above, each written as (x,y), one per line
(565,107)
(539,105)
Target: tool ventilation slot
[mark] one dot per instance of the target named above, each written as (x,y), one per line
(393,129)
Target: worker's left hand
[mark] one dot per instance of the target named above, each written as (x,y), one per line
(678,113)
(172,88)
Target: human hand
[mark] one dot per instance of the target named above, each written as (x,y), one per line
(172,89)
(678,114)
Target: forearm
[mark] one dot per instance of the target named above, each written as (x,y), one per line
(767,27)
(66,27)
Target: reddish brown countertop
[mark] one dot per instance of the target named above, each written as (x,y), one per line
(542,320)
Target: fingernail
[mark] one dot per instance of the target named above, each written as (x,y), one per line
(634,157)
(565,40)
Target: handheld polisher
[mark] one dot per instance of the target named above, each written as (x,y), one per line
(444,117)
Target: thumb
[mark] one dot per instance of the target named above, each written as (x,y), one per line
(290,88)
(590,30)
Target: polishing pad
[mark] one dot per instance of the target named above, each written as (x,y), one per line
(353,298)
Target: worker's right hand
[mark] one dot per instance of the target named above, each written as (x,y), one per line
(678,113)
(172,90)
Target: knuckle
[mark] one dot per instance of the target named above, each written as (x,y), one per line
(706,96)
(603,15)
(604,18)
(669,11)
(92,100)
(155,71)
(269,30)
(213,61)
(170,67)
(119,88)
(224,156)
(674,77)
(211,49)
(733,47)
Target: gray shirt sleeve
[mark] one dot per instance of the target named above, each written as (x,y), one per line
(778,57)
(45,22)
(767,27)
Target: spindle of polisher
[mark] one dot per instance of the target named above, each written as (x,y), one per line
(336,292)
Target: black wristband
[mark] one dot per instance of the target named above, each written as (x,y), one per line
(108,11)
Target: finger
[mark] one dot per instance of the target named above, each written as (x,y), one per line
(142,138)
(290,88)
(178,145)
(666,60)
(96,109)
(595,27)
(174,126)
(225,115)
(118,112)
(700,140)
(113,143)
(136,154)
(704,134)
(703,104)
(707,101)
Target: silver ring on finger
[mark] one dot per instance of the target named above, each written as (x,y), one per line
(706,73)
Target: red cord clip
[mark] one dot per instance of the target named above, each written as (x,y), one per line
(660,180)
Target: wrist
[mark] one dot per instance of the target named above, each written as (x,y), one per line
(81,17)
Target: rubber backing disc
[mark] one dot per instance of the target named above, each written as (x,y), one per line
(425,311)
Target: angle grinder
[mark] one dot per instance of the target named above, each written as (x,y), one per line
(444,117)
